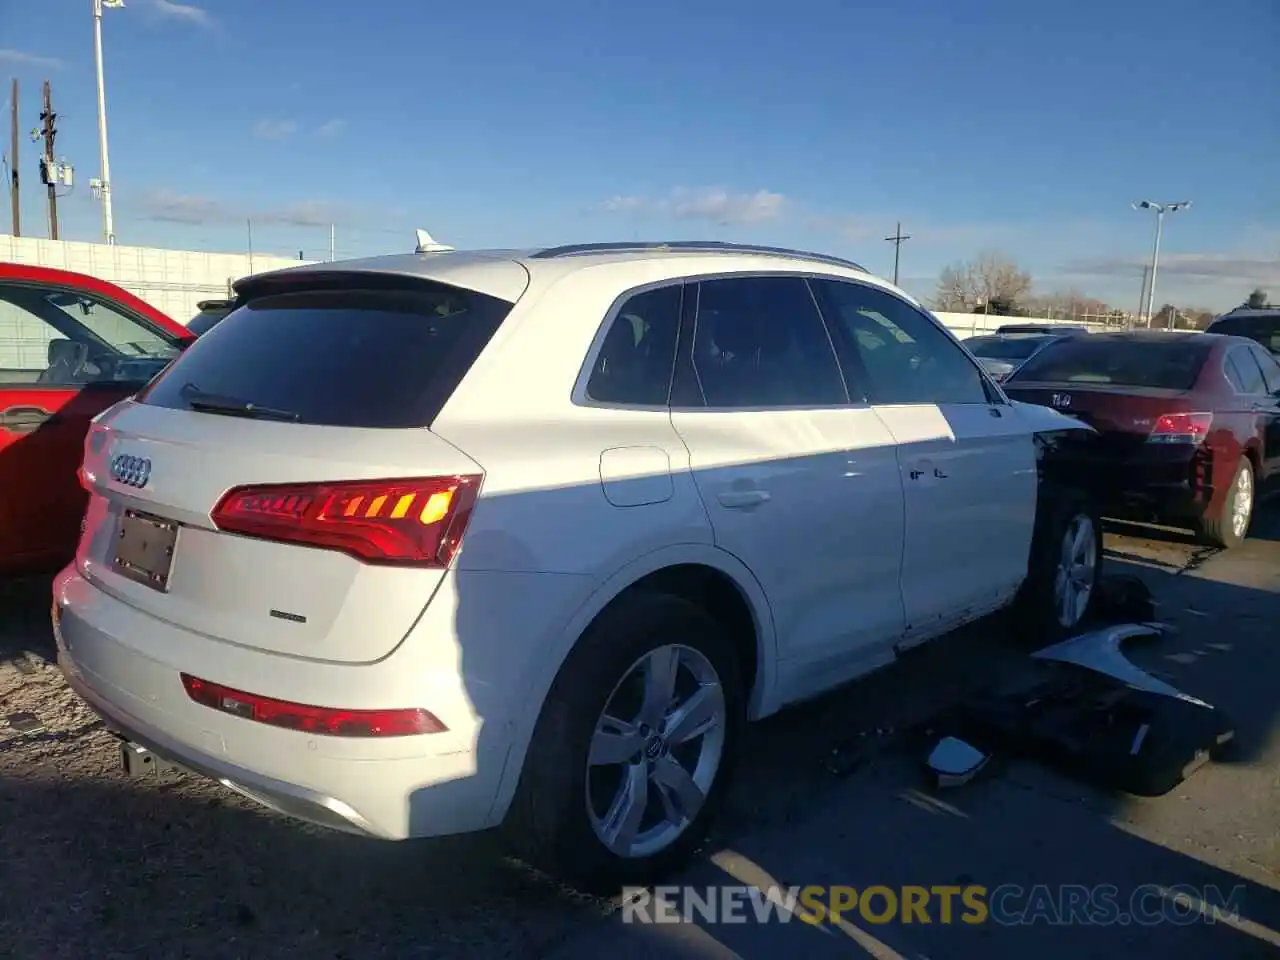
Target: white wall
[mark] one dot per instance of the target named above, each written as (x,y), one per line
(172,281)
(967,324)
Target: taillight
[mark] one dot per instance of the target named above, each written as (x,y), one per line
(328,721)
(418,522)
(1181,428)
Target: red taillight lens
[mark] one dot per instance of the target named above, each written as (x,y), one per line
(417,522)
(1181,428)
(326,721)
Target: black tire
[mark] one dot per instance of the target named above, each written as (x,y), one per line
(548,825)
(1035,611)
(1217,530)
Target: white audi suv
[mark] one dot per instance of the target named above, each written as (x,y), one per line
(432,543)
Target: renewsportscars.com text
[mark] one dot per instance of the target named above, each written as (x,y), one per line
(1007,905)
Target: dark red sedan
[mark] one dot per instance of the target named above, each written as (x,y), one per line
(1189,423)
(70,346)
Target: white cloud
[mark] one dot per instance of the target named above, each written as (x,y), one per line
(305,213)
(187,13)
(1199,267)
(275,129)
(20,58)
(712,204)
(331,129)
(170,206)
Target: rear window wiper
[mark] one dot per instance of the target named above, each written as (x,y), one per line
(203,402)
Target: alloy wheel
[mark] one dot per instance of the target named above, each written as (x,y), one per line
(1242,503)
(1077,571)
(656,750)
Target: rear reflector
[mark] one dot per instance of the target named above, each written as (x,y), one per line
(327,721)
(416,522)
(1181,428)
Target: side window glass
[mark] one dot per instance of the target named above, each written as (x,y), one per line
(761,342)
(907,358)
(1233,374)
(635,360)
(1270,369)
(1246,370)
(53,337)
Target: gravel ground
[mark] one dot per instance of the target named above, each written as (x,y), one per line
(97,865)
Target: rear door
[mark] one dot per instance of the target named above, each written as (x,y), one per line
(967,461)
(800,483)
(307,411)
(1267,406)
(65,356)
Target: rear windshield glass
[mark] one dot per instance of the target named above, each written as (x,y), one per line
(203,322)
(1004,348)
(1168,365)
(1264,329)
(349,358)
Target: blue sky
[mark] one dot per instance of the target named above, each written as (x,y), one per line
(983,125)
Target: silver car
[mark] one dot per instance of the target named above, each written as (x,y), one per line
(1001,354)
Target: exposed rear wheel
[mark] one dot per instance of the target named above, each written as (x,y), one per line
(632,753)
(1230,524)
(1065,563)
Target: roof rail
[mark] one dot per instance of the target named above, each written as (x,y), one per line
(693,246)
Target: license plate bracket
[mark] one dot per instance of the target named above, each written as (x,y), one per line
(144,549)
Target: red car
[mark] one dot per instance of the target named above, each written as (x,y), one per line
(70,346)
(1189,423)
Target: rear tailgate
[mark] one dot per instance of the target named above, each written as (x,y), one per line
(323,389)
(307,602)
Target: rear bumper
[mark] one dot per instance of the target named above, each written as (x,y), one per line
(126,665)
(289,799)
(1160,484)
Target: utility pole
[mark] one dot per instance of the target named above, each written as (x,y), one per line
(104,184)
(50,165)
(15,198)
(897,240)
(333,242)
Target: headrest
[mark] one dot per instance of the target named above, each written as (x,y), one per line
(69,352)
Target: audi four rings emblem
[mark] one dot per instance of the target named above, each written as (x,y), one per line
(130,470)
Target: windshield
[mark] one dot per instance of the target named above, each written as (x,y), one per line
(69,338)
(112,326)
(1005,348)
(1169,365)
(345,357)
(1261,329)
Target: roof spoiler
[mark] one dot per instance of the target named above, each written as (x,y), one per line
(427,245)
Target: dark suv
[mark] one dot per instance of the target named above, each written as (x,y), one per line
(1260,324)
(211,311)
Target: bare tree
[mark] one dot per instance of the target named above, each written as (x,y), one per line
(954,291)
(992,279)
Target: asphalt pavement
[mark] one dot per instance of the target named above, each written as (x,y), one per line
(830,794)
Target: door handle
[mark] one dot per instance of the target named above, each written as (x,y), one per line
(743,499)
(25,419)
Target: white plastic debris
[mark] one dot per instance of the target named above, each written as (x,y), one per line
(955,762)
(1099,650)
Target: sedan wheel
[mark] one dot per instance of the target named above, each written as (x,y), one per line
(1242,504)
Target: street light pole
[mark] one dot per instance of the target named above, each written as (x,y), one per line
(1161,209)
(108,227)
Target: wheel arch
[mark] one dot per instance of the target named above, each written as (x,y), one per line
(695,571)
